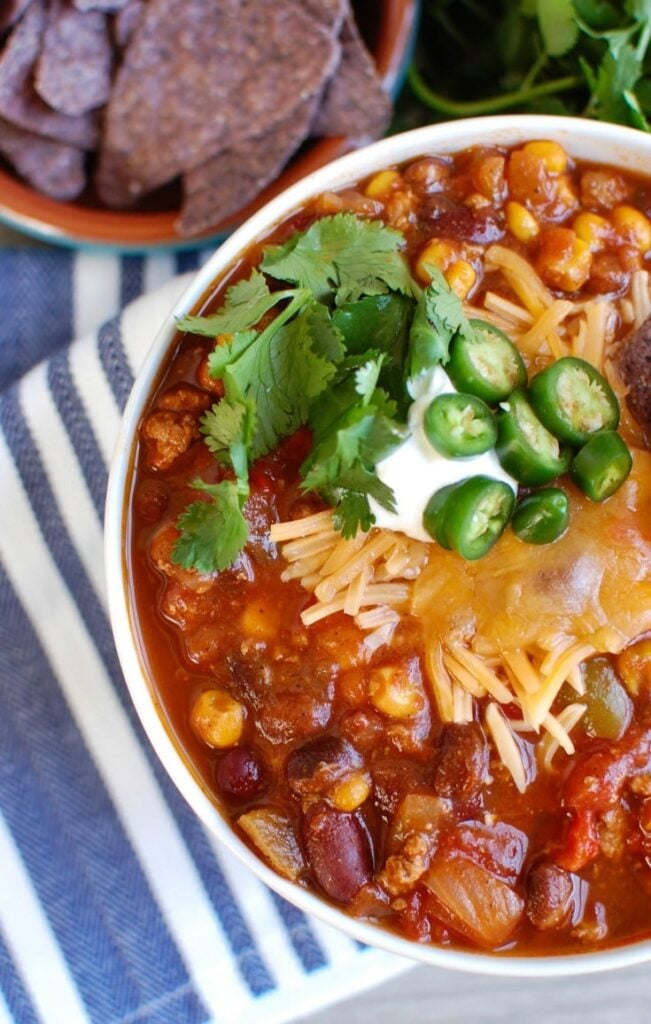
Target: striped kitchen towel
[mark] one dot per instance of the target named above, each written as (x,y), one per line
(115,903)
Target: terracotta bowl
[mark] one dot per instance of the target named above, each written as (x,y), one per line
(389,28)
(585,140)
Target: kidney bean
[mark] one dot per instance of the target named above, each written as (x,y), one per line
(452,221)
(461,764)
(550,896)
(339,850)
(240,774)
(319,764)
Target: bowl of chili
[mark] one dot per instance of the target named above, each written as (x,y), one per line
(385,644)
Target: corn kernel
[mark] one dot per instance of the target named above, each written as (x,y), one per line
(260,620)
(352,792)
(436,254)
(633,224)
(217,718)
(552,154)
(394,692)
(521,222)
(593,229)
(461,277)
(382,183)
(564,261)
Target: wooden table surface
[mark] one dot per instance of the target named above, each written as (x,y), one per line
(426,995)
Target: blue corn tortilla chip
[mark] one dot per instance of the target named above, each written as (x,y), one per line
(11,11)
(53,168)
(229,181)
(126,22)
(109,6)
(20,103)
(73,71)
(330,13)
(198,77)
(354,102)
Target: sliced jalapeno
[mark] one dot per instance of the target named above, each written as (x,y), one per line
(526,449)
(474,515)
(433,515)
(573,400)
(458,426)
(602,465)
(542,517)
(485,362)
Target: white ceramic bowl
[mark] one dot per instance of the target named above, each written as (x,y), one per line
(625,148)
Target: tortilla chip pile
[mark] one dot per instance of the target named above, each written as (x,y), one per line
(220,93)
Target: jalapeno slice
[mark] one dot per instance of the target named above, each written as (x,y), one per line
(433,515)
(459,426)
(573,400)
(485,362)
(474,515)
(602,465)
(526,449)
(542,517)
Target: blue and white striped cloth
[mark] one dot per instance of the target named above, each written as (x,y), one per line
(115,904)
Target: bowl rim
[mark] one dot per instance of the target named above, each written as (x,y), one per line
(25,209)
(623,147)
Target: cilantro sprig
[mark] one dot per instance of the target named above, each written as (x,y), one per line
(281,338)
(585,57)
(354,428)
(342,257)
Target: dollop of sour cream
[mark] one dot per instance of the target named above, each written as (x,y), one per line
(415,470)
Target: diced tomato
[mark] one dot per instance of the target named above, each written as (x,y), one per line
(581,842)
(597,779)
(260,480)
(297,447)
(414,921)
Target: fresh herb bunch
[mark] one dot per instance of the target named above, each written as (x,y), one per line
(329,309)
(582,57)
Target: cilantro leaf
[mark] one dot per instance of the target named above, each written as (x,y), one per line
(439,316)
(366,378)
(245,303)
(342,256)
(212,532)
(352,513)
(638,119)
(353,510)
(226,353)
(617,73)
(353,430)
(228,429)
(558,26)
(283,371)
